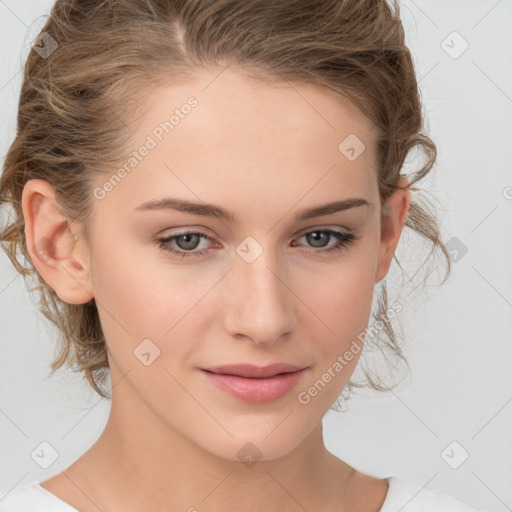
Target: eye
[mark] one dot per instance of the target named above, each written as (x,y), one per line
(187,241)
(320,236)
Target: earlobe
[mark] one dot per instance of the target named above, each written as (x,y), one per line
(58,253)
(392,224)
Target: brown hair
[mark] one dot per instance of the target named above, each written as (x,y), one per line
(70,117)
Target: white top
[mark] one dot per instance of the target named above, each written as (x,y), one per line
(402,495)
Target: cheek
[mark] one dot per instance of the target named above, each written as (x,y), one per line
(340,302)
(343,303)
(142,295)
(342,293)
(123,287)
(128,303)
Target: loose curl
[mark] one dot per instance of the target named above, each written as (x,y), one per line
(70,119)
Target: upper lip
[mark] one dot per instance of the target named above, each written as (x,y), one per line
(249,370)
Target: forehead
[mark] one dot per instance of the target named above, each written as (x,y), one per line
(224,135)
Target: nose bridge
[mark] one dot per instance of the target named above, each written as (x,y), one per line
(261,305)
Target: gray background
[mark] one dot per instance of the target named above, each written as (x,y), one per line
(457,336)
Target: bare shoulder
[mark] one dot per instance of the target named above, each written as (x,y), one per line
(365,492)
(77,496)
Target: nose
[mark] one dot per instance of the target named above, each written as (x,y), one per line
(260,306)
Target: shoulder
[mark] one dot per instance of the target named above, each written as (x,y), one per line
(408,496)
(32,497)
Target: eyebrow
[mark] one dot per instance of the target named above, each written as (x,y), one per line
(211,210)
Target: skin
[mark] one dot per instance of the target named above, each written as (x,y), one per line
(265,152)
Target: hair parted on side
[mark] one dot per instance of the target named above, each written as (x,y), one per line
(70,118)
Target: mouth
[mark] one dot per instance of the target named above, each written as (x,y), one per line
(255,384)
(251,371)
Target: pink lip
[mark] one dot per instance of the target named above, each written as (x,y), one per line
(253,383)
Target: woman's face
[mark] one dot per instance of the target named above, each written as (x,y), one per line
(259,281)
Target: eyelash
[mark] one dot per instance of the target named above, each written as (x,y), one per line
(344,240)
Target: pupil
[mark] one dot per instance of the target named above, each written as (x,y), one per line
(186,238)
(316,236)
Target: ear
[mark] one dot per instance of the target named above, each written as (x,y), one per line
(56,247)
(397,206)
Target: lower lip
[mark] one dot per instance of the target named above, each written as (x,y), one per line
(253,389)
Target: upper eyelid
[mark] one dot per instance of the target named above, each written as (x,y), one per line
(193,231)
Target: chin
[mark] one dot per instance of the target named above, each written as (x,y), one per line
(265,441)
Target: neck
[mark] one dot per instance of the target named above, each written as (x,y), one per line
(140,464)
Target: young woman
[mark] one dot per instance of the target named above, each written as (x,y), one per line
(208,193)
